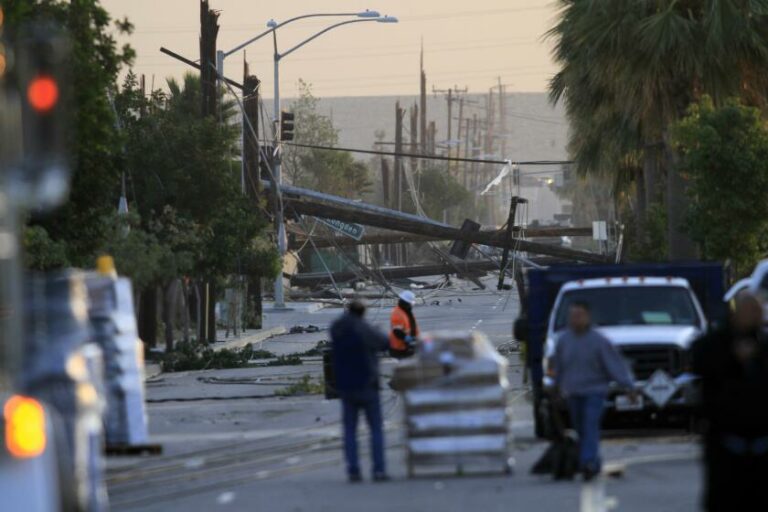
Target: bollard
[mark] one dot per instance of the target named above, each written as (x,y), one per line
(114,330)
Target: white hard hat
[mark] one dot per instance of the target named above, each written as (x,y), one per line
(408,296)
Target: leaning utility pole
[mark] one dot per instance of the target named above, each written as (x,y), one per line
(252,182)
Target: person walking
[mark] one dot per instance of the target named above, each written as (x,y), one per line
(732,362)
(403,329)
(355,346)
(584,364)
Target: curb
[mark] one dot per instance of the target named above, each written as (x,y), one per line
(251,338)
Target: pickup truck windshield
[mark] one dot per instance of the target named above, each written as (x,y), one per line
(632,305)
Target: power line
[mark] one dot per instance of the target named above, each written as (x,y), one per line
(428,157)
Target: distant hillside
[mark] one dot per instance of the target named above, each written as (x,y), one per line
(536,130)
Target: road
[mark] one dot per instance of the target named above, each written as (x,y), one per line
(231,444)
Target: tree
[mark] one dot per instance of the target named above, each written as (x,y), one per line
(724,154)
(630,69)
(185,188)
(311,127)
(438,190)
(78,226)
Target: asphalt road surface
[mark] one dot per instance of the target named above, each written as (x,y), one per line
(231,444)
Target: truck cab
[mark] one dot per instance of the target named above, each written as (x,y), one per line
(652,321)
(652,333)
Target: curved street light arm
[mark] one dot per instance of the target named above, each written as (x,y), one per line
(279,56)
(282,24)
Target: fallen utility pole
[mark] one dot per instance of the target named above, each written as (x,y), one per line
(402,238)
(309,202)
(472,268)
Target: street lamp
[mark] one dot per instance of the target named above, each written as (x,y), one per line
(272,26)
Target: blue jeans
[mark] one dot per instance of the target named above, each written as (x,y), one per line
(352,402)
(586,414)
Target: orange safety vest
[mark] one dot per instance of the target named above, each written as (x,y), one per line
(399,320)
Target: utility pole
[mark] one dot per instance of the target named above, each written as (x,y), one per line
(398,178)
(252,180)
(423,103)
(209,30)
(489,150)
(508,238)
(451,96)
(467,154)
(414,138)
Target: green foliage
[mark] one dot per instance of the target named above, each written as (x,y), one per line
(439,190)
(78,225)
(333,172)
(186,187)
(138,254)
(41,252)
(629,69)
(305,386)
(194,356)
(653,245)
(724,154)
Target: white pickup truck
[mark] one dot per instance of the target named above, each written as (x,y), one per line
(652,321)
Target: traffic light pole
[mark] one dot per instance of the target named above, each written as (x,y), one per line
(276,170)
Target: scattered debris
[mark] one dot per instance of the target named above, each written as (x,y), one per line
(317,350)
(305,386)
(297,329)
(289,360)
(195,356)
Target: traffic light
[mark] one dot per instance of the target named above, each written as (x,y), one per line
(286,125)
(41,176)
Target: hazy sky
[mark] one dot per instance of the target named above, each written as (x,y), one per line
(465,43)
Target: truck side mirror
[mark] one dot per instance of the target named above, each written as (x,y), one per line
(520,329)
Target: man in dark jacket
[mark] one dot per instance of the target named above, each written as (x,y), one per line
(356,345)
(733,364)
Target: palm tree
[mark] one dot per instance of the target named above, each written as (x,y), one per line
(636,65)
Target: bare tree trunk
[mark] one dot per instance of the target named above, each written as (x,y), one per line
(680,245)
(170,301)
(185,320)
(199,320)
(148,316)
(651,174)
(211,313)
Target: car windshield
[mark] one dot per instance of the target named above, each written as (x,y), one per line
(627,305)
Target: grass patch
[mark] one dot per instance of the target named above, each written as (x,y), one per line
(305,386)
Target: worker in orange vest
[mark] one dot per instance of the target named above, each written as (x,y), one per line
(403,330)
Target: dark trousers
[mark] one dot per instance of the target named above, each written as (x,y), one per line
(352,402)
(586,415)
(735,478)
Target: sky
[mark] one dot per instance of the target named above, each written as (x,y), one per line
(466,44)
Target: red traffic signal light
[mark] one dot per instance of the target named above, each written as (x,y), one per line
(42,93)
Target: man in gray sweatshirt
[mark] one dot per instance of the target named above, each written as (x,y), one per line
(584,364)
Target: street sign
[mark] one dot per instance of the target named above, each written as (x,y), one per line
(346,228)
(660,388)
